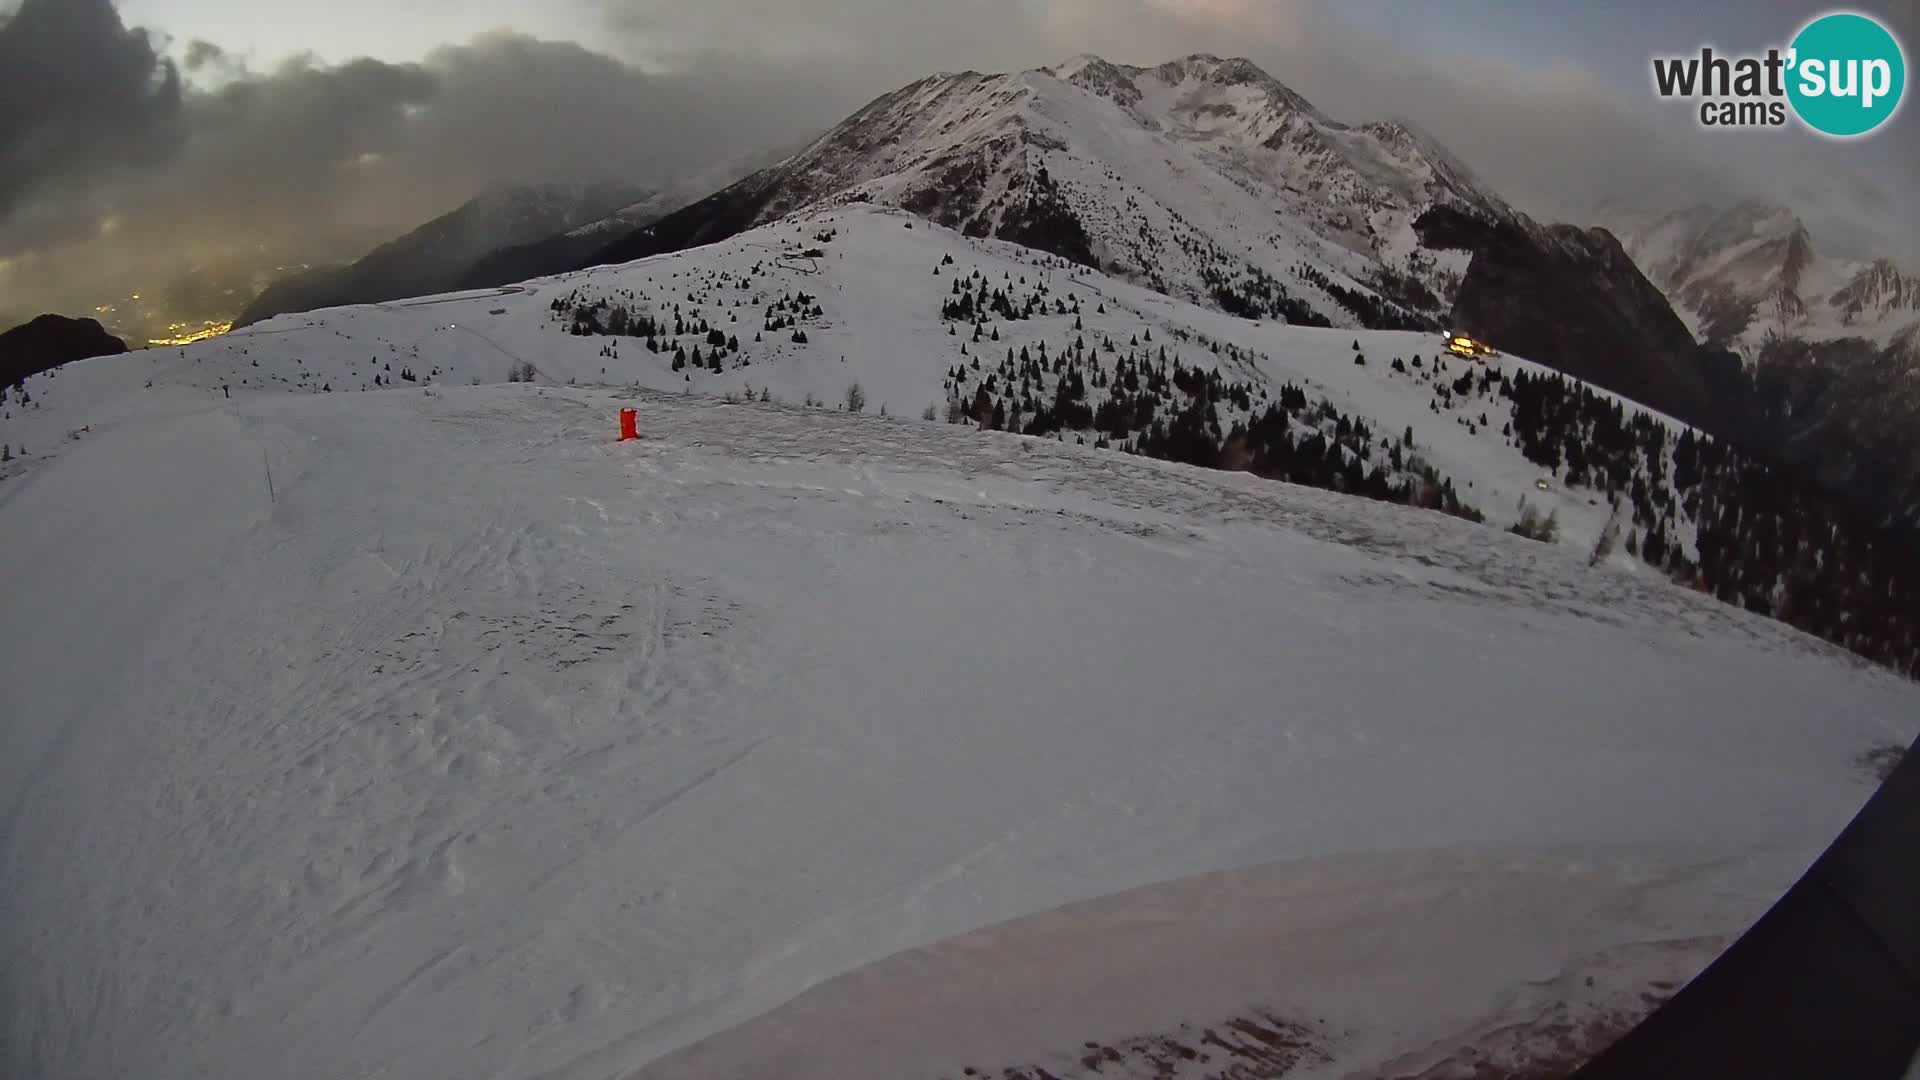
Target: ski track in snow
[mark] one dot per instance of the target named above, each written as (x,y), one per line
(491,748)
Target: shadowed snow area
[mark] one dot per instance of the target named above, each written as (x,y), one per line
(1408,965)
(487,747)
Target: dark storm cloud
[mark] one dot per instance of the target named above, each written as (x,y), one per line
(556,110)
(80,94)
(371,142)
(307,152)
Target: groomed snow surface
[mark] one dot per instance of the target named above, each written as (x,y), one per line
(485,746)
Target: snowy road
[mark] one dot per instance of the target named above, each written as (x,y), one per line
(495,749)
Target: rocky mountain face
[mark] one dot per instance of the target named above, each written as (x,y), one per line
(1573,297)
(437,256)
(1830,347)
(1750,272)
(49,341)
(1207,179)
(1203,177)
(1879,292)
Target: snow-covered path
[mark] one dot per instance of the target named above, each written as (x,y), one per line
(489,748)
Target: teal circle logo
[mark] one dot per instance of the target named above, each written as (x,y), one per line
(1847,75)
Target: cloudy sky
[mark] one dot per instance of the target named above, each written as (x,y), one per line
(140,134)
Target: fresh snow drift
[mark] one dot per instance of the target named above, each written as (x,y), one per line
(429,732)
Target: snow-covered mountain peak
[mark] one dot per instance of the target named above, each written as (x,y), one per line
(1751,222)
(1203,178)
(1751,271)
(1091,72)
(1199,93)
(1832,344)
(1074,65)
(1412,141)
(1231,71)
(1250,121)
(1879,290)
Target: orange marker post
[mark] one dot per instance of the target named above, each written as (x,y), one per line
(629,424)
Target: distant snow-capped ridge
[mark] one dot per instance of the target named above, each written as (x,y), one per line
(1831,345)
(1750,271)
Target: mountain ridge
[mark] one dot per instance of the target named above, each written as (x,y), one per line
(48,341)
(530,258)
(1751,270)
(433,257)
(1829,348)
(1209,180)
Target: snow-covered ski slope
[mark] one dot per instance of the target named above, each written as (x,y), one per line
(427,732)
(485,746)
(879,281)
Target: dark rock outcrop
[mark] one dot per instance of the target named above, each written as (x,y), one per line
(1571,298)
(49,341)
